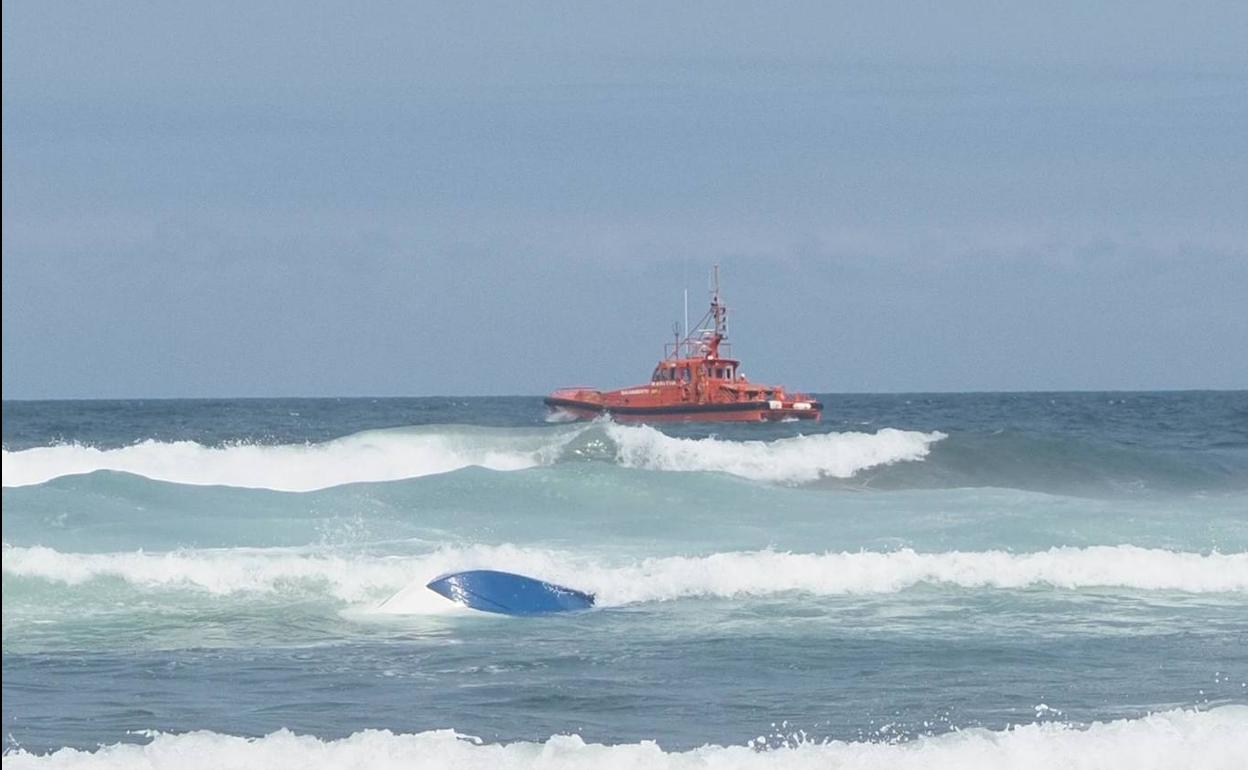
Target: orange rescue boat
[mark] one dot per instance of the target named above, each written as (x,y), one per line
(697,380)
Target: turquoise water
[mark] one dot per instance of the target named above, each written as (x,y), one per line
(953,580)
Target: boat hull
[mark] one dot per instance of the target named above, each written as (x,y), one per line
(740,411)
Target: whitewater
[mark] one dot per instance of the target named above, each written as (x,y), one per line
(387,455)
(1211,740)
(961,580)
(726,575)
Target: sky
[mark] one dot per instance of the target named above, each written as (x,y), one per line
(408,198)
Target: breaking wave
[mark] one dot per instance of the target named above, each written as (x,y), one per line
(387,455)
(787,460)
(375,455)
(396,584)
(1210,740)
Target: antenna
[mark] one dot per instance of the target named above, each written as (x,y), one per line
(686,314)
(719,313)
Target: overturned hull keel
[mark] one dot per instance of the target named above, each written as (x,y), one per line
(506,593)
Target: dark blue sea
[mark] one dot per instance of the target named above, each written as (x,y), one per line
(952,580)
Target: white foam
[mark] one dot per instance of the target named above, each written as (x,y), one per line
(1216,739)
(226,571)
(369,580)
(387,455)
(788,460)
(377,455)
(764,573)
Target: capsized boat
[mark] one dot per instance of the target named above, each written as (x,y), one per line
(697,380)
(508,593)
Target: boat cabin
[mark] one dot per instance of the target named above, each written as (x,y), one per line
(684,371)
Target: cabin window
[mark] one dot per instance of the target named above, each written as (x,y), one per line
(684,373)
(728,372)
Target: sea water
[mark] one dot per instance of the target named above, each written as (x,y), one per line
(1003,580)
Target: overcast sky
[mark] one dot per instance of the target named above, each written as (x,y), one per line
(250,199)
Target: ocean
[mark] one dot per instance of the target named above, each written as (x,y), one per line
(948,580)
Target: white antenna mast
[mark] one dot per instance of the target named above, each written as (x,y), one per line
(686,314)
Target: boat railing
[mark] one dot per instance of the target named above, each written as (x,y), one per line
(693,348)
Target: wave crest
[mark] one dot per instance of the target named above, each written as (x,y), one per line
(793,460)
(1217,738)
(363,579)
(375,455)
(388,455)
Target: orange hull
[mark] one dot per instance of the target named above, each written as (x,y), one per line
(746,412)
(643,404)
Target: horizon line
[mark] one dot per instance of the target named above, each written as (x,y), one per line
(531,395)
